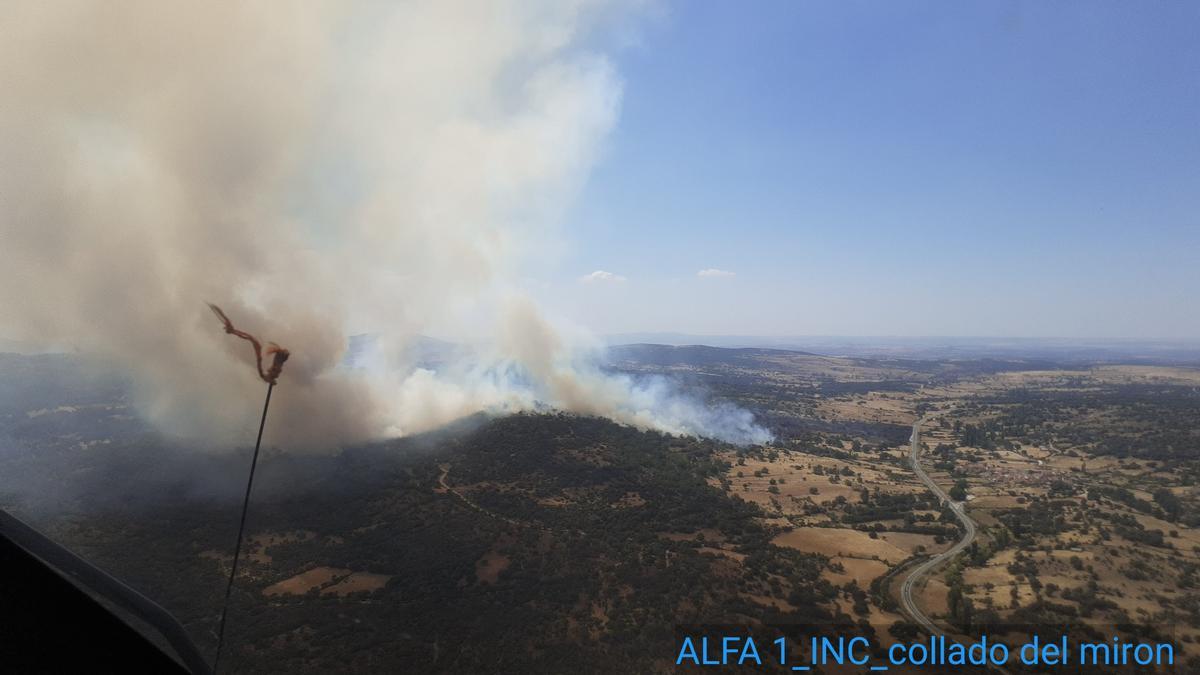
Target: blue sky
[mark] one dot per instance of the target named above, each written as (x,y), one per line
(920,168)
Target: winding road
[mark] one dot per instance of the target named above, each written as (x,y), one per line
(450,489)
(445,468)
(915,576)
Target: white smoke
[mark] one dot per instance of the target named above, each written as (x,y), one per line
(314,168)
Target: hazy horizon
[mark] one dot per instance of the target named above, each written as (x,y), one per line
(882,336)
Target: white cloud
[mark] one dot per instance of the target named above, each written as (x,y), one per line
(714,272)
(600,276)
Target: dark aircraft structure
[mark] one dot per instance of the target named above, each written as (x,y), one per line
(60,613)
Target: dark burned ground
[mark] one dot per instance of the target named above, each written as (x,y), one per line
(565,544)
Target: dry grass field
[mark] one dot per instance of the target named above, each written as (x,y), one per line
(306,581)
(1071,532)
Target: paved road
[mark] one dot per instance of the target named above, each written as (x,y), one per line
(914,577)
(910,582)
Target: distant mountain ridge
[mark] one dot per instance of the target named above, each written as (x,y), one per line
(940,348)
(684,349)
(692,355)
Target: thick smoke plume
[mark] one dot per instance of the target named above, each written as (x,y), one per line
(315,169)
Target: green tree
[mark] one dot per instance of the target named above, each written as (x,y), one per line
(1169,502)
